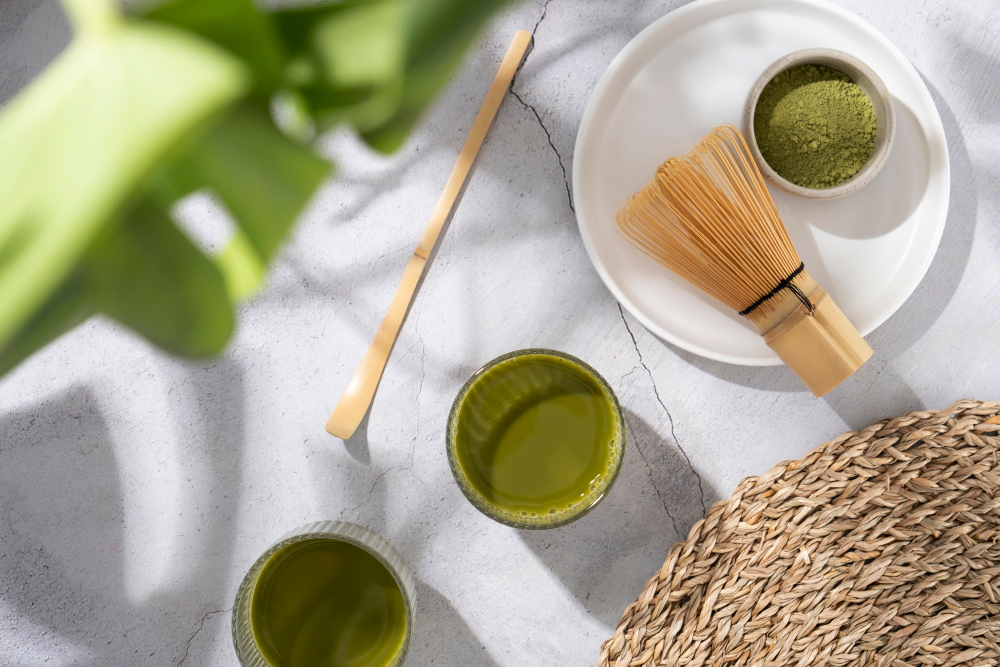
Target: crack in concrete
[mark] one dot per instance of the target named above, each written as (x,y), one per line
(545,10)
(670,418)
(368,497)
(538,117)
(528,107)
(201,625)
(649,473)
(621,380)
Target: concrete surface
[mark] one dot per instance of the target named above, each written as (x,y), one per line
(135,489)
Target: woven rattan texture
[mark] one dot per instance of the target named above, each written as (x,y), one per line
(878,548)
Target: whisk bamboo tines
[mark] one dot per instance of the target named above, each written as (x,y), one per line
(708,217)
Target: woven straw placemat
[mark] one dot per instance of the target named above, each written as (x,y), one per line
(878,548)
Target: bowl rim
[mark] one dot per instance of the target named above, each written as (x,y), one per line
(509,519)
(880,153)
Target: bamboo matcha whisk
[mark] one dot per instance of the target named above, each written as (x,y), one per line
(708,217)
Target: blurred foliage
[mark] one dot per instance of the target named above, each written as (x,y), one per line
(140,111)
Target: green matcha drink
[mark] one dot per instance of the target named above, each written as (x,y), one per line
(325,603)
(536,438)
(323,598)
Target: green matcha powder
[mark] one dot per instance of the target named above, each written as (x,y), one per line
(814,126)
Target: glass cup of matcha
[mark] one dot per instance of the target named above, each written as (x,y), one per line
(536,438)
(328,594)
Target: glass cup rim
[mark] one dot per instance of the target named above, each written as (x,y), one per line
(509,519)
(247,651)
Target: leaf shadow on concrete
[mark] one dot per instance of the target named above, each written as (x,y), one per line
(65,557)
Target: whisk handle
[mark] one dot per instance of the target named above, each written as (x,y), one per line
(822,348)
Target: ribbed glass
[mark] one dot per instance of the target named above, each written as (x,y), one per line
(246,647)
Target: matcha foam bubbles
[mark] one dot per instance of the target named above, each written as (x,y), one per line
(814,126)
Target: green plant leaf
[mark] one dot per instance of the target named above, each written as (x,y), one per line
(238,27)
(242,267)
(151,278)
(349,60)
(424,81)
(439,34)
(334,64)
(265,180)
(137,113)
(65,309)
(362,44)
(79,140)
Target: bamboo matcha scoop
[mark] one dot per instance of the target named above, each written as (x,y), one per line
(361,390)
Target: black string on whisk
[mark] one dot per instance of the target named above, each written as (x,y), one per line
(786,283)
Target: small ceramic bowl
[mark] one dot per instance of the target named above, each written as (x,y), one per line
(867,80)
(524,520)
(247,651)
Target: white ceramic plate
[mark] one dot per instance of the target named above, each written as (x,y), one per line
(692,70)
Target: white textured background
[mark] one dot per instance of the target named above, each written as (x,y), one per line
(135,490)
